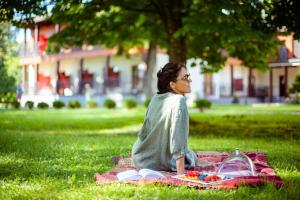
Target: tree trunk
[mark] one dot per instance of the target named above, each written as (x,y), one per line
(172,19)
(177,49)
(149,76)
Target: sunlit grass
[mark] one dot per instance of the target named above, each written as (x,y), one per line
(53,154)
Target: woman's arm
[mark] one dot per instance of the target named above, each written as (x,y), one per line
(180,165)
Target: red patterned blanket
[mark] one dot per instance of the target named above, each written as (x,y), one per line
(209,161)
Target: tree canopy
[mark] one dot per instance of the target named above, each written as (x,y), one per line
(284,16)
(211,30)
(21,12)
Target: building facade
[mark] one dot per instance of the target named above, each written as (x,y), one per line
(72,73)
(250,84)
(100,73)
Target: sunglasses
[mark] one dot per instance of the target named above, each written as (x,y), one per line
(186,77)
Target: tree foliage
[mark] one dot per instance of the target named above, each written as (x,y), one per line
(284,16)
(87,23)
(296,85)
(210,30)
(218,29)
(21,12)
(8,61)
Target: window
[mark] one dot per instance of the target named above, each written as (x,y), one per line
(208,84)
(238,84)
(113,79)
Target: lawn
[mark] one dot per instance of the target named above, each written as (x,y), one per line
(53,154)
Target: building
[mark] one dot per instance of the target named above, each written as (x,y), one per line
(98,73)
(250,84)
(72,73)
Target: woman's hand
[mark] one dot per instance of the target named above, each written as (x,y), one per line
(180,165)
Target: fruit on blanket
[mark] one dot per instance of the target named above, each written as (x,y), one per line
(212,178)
(190,177)
(192,173)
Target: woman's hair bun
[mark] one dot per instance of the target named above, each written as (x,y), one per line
(160,73)
(167,74)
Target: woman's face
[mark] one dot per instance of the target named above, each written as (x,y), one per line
(182,84)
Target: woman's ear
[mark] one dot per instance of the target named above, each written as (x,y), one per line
(172,85)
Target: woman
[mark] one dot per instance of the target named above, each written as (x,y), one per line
(162,141)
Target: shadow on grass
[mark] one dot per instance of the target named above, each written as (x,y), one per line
(245,126)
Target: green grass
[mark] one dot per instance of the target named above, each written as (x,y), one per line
(53,154)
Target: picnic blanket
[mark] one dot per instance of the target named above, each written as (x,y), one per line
(209,161)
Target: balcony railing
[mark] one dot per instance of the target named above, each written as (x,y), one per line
(29,50)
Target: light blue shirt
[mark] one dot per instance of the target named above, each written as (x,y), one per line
(164,135)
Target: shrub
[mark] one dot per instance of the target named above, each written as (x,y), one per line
(7,99)
(147,102)
(74,104)
(1,97)
(202,104)
(235,100)
(42,105)
(29,104)
(15,104)
(295,91)
(92,103)
(58,104)
(109,103)
(130,103)
(296,85)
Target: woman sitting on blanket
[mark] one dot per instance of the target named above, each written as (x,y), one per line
(162,143)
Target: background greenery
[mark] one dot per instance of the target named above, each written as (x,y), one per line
(10,70)
(53,154)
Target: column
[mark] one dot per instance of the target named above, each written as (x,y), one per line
(105,73)
(57,77)
(286,81)
(36,36)
(250,84)
(31,79)
(37,79)
(216,81)
(24,78)
(81,84)
(25,41)
(271,85)
(231,80)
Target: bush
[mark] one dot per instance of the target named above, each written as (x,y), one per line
(29,104)
(109,103)
(7,99)
(296,85)
(3,100)
(1,97)
(235,100)
(147,102)
(92,103)
(15,104)
(42,105)
(58,104)
(74,104)
(202,104)
(295,91)
(130,103)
